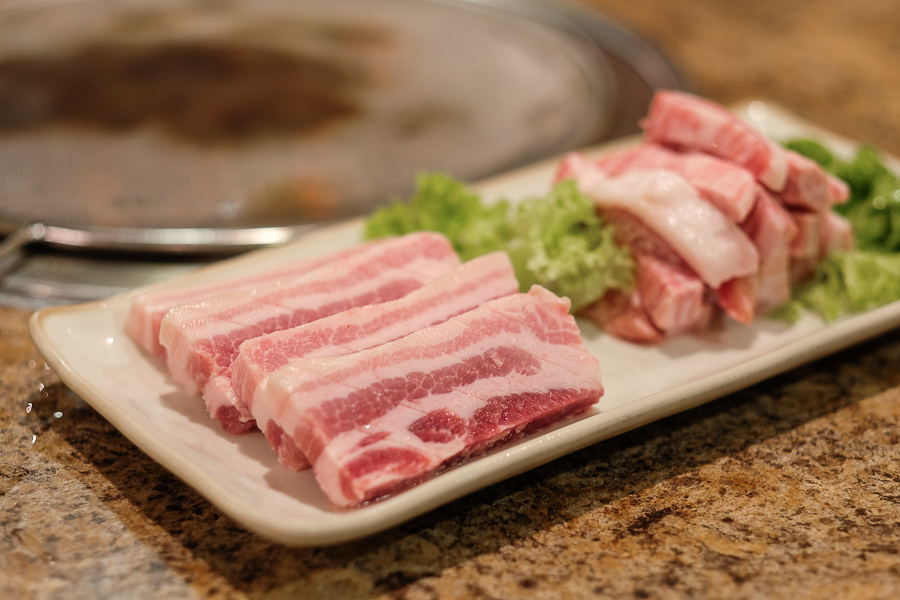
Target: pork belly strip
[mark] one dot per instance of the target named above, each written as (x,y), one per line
(686,121)
(457,291)
(811,188)
(669,293)
(377,421)
(727,186)
(838,190)
(668,299)
(673,298)
(808,240)
(737,297)
(772,230)
(148,309)
(621,314)
(713,246)
(202,339)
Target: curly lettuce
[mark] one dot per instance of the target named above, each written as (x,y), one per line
(447,206)
(556,240)
(562,244)
(873,208)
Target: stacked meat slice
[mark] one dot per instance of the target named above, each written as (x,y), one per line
(457,291)
(447,359)
(718,217)
(148,309)
(202,339)
(379,420)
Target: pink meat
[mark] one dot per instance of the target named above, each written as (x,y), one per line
(672,297)
(772,230)
(689,122)
(713,246)
(455,292)
(806,244)
(148,308)
(838,190)
(377,421)
(837,235)
(620,313)
(807,186)
(727,186)
(737,297)
(202,339)
(632,233)
(669,299)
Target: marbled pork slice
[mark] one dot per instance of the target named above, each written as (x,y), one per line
(673,298)
(808,240)
(838,190)
(727,186)
(686,121)
(737,297)
(772,230)
(202,339)
(380,420)
(457,291)
(714,247)
(148,308)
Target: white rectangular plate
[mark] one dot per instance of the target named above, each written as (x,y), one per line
(86,346)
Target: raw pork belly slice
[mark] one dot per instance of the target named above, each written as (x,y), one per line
(620,313)
(822,233)
(202,339)
(810,187)
(689,122)
(672,297)
(148,309)
(807,242)
(838,190)
(632,233)
(380,420)
(714,247)
(837,235)
(737,297)
(727,186)
(772,230)
(455,292)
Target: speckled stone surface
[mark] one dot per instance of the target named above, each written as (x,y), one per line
(787,489)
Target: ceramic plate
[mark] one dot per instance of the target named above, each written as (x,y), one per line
(85,345)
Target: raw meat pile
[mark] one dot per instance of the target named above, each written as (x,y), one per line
(384,363)
(718,218)
(377,366)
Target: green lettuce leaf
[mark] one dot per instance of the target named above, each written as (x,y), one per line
(846,283)
(561,243)
(447,206)
(556,241)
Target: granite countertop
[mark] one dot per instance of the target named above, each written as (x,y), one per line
(787,489)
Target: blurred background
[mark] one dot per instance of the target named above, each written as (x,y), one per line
(833,62)
(149,136)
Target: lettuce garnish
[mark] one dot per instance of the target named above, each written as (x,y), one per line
(557,240)
(447,206)
(561,243)
(845,283)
